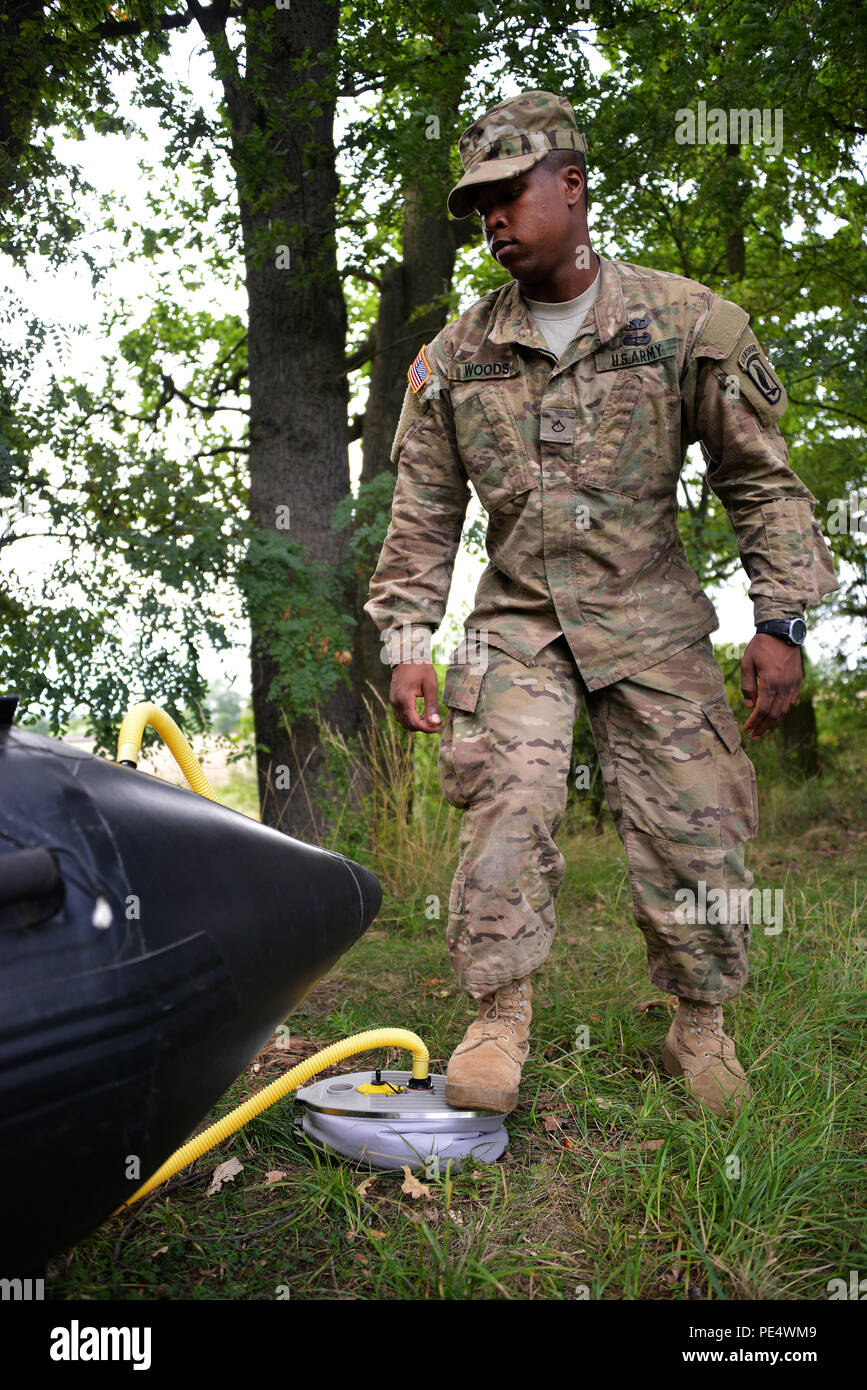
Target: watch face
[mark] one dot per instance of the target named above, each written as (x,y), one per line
(798,630)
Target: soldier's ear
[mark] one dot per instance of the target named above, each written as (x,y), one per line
(575,185)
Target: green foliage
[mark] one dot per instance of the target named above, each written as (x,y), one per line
(299,607)
(368,513)
(141,476)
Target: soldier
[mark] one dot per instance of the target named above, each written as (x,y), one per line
(567,397)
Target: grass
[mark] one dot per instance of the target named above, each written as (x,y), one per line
(616,1185)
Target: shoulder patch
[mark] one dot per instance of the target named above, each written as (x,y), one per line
(419,372)
(759,372)
(756,380)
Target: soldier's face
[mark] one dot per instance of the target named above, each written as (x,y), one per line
(529,221)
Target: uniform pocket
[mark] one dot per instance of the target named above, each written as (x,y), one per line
(636,449)
(666,773)
(723,722)
(738,790)
(491,446)
(465,763)
(462,686)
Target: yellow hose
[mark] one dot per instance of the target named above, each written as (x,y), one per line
(130,737)
(128,749)
(348,1047)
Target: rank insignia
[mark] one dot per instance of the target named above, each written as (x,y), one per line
(419,372)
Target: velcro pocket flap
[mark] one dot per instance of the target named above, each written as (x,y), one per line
(724,722)
(462,686)
(722,330)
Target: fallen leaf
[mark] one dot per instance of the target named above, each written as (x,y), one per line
(455,1216)
(162,1251)
(647,1004)
(377,1235)
(411,1185)
(567,1143)
(224,1172)
(551,1123)
(364,1187)
(275,1176)
(648,1146)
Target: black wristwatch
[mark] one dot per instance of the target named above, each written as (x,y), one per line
(792,630)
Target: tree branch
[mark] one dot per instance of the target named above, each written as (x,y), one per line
(223,449)
(834,409)
(120,28)
(357,272)
(356,357)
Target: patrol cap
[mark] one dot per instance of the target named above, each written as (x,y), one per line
(509,139)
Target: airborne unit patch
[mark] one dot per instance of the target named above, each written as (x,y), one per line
(419,371)
(759,372)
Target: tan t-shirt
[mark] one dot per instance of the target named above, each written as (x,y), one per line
(559,323)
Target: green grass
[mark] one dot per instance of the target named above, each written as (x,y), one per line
(616,1185)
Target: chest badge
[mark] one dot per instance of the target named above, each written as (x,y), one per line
(635,335)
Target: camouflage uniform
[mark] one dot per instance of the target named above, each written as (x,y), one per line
(588,593)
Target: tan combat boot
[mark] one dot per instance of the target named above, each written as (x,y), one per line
(485,1069)
(698,1049)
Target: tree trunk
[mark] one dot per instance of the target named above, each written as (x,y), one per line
(736,249)
(421,281)
(281,114)
(801,737)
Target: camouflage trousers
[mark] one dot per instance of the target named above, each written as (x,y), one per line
(679,785)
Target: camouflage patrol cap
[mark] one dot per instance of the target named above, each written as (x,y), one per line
(509,139)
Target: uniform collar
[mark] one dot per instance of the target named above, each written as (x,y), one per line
(513,322)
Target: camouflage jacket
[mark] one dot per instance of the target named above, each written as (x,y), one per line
(577,462)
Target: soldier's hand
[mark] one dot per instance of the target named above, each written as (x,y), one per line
(777,667)
(410,680)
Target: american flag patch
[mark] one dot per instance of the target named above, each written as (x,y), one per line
(419,372)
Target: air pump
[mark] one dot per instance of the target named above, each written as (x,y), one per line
(381,1120)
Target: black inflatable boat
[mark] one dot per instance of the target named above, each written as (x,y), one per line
(150,942)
